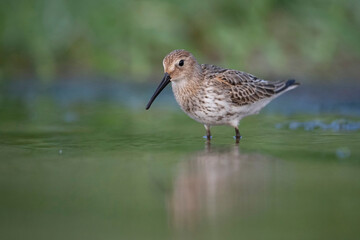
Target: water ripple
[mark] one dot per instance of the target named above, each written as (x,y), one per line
(336,125)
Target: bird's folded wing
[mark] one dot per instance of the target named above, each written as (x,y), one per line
(246,88)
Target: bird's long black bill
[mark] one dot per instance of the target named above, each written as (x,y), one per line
(161,86)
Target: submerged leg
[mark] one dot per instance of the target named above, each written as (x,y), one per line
(208,133)
(237,135)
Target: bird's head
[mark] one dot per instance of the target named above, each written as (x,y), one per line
(179,66)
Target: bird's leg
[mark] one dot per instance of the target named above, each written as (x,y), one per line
(208,146)
(237,135)
(208,133)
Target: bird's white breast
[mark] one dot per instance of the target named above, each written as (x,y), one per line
(213,108)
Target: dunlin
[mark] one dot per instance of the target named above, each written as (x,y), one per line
(213,95)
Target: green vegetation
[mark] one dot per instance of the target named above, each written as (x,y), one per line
(58,38)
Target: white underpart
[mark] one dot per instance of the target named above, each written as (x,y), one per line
(216,110)
(253,108)
(220,109)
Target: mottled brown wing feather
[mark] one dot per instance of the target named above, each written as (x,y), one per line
(244,87)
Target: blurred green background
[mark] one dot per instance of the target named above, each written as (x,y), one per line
(52,39)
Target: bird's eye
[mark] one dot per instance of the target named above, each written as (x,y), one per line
(181,63)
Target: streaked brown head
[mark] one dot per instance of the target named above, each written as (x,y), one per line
(179,65)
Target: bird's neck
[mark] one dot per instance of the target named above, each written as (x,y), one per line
(189,84)
(186,89)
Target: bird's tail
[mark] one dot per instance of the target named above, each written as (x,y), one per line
(286,86)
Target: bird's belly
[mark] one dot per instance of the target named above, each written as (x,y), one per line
(213,113)
(224,113)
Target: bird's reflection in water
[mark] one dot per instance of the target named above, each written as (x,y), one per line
(218,183)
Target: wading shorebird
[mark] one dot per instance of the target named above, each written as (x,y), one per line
(213,95)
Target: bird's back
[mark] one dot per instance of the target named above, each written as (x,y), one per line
(244,88)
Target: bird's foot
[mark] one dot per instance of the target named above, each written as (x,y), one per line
(237,139)
(207,137)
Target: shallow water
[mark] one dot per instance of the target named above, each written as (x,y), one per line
(102,170)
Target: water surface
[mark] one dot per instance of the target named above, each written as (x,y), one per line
(83,169)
